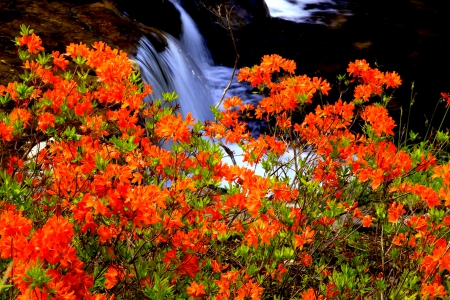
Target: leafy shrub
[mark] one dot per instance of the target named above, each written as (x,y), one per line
(94,206)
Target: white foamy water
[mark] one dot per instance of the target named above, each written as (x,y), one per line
(187,68)
(295,10)
(217,77)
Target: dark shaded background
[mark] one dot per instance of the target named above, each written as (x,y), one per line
(410,37)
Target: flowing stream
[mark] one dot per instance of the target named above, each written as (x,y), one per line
(296,10)
(186,67)
(174,70)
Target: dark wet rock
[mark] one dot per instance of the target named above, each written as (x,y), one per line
(160,14)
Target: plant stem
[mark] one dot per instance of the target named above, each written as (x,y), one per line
(411,102)
(432,116)
(400,128)
(442,122)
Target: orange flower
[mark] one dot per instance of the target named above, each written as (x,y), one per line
(188,266)
(74,50)
(307,260)
(6,132)
(232,102)
(59,61)
(217,267)
(363,92)
(357,67)
(442,171)
(274,62)
(399,240)
(392,79)
(378,118)
(305,238)
(46,119)
(446,97)
(20,114)
(33,42)
(366,221)
(395,211)
(433,290)
(447,221)
(171,127)
(196,290)
(310,294)
(113,275)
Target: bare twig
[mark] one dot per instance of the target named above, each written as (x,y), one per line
(225,22)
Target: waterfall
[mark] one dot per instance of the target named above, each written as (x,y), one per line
(186,67)
(297,10)
(179,68)
(216,76)
(174,70)
(192,40)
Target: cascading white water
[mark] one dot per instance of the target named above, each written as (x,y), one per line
(186,67)
(295,10)
(192,40)
(174,70)
(217,76)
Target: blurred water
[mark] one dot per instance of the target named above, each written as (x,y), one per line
(186,67)
(174,70)
(296,10)
(217,77)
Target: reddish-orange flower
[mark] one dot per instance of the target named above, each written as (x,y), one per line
(307,260)
(357,67)
(392,79)
(395,211)
(305,238)
(113,275)
(446,98)
(175,128)
(274,62)
(378,118)
(6,132)
(59,61)
(399,239)
(33,42)
(366,221)
(189,266)
(196,290)
(217,267)
(74,50)
(20,114)
(310,294)
(232,102)
(433,290)
(45,120)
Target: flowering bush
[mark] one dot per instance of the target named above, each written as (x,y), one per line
(94,206)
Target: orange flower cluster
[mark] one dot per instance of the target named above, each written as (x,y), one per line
(379,120)
(286,93)
(50,245)
(103,210)
(371,81)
